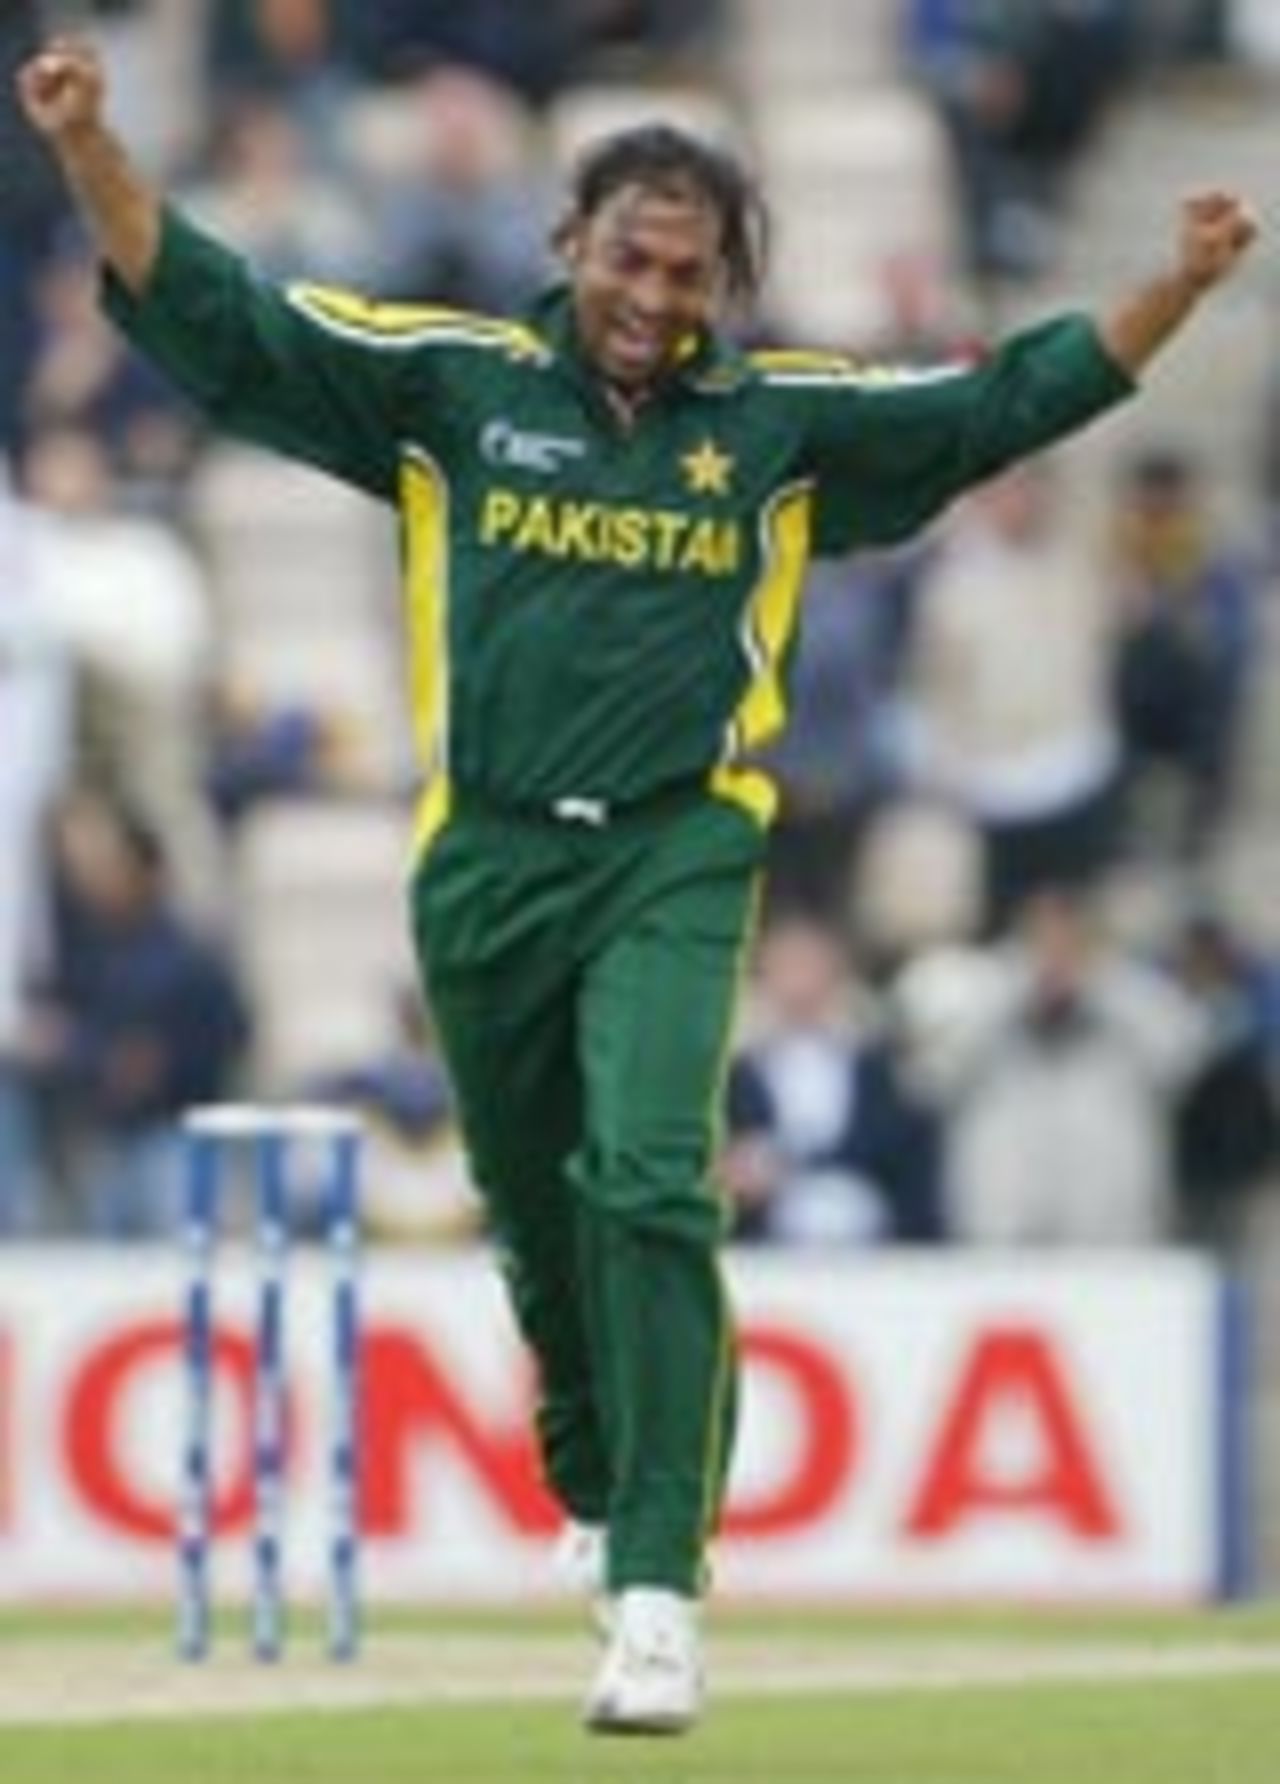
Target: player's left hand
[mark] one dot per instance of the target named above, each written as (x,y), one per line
(1217,230)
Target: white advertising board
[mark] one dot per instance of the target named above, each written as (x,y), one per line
(915,1428)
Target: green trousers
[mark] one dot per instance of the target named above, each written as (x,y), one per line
(582,977)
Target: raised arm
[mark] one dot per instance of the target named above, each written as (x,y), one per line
(63,90)
(1216,230)
(888,454)
(270,365)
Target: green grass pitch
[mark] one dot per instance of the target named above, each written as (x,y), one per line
(1182,1699)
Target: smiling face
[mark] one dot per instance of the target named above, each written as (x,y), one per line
(647,271)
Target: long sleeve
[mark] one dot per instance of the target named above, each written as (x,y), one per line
(889,451)
(261,362)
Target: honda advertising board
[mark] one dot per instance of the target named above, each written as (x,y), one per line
(914,1428)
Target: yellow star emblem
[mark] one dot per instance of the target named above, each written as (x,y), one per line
(707,470)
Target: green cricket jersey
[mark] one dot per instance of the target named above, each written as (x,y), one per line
(596,612)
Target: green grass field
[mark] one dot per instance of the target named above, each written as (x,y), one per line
(1158,1700)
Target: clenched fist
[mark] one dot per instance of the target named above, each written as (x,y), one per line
(62,88)
(1217,229)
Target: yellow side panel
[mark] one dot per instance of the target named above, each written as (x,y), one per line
(424,505)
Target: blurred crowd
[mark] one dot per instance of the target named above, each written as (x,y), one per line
(956,1027)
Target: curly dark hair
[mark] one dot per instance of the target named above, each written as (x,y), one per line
(660,158)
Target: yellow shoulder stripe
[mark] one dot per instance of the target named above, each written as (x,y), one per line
(803,359)
(399,324)
(800,366)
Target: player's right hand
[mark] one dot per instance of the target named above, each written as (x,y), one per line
(62,87)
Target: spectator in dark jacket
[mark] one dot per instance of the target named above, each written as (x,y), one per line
(1227,1132)
(142,1017)
(1190,604)
(1021,86)
(825,1146)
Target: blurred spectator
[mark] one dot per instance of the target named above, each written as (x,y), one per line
(31,205)
(22,1200)
(823,1147)
(85,377)
(418,1185)
(525,47)
(127,598)
(1191,32)
(290,54)
(670,37)
(467,221)
(1189,620)
(1059,1062)
(151,55)
(1228,1124)
(140,1018)
(35,758)
(298,47)
(261,751)
(1005,705)
(1021,86)
(918,884)
(828,762)
(272,44)
(1267,460)
(261,190)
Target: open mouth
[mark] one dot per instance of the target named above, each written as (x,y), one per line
(636,344)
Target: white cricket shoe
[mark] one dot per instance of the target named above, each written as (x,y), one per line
(650,1680)
(579,1560)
